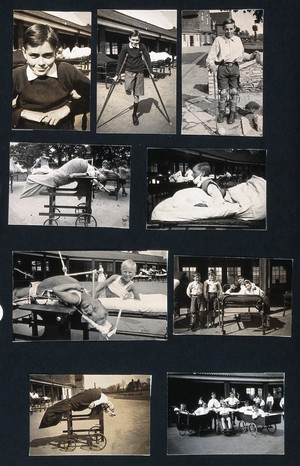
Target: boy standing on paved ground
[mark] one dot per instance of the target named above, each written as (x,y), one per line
(224,57)
(134,69)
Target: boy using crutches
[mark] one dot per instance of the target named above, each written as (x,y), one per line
(134,69)
(224,57)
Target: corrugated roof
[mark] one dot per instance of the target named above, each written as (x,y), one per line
(134,23)
(52,20)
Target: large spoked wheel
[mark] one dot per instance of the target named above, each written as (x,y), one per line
(50,222)
(272,428)
(97,440)
(80,208)
(243,426)
(69,444)
(253,429)
(86,220)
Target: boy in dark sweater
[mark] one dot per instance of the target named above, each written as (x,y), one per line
(43,89)
(134,69)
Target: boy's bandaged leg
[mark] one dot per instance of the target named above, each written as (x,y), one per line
(222,105)
(134,114)
(233,105)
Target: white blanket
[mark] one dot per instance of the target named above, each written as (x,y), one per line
(246,201)
(147,304)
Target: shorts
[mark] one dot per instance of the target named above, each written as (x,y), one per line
(134,82)
(228,76)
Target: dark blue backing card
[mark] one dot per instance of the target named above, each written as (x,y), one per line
(178,354)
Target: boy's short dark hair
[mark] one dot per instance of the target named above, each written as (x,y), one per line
(134,33)
(228,21)
(196,274)
(204,167)
(37,34)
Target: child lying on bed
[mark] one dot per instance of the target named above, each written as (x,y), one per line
(69,291)
(60,176)
(201,172)
(120,286)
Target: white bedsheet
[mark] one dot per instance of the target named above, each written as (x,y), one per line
(148,303)
(246,201)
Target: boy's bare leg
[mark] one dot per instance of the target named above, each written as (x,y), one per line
(135,106)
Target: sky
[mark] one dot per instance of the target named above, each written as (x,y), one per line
(245,21)
(104,381)
(166,19)
(78,17)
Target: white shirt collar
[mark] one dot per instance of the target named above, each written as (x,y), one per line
(52,73)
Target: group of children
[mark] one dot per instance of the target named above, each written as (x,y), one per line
(205,298)
(225,409)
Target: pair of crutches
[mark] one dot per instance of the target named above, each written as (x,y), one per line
(112,87)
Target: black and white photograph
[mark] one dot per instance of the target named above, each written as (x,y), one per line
(80,185)
(89,414)
(226,413)
(222,72)
(234,296)
(51,70)
(89,295)
(206,189)
(136,71)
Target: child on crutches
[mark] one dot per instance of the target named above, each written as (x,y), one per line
(134,69)
(224,57)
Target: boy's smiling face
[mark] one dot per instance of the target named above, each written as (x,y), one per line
(135,40)
(128,273)
(229,30)
(40,59)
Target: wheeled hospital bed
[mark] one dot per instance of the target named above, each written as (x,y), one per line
(43,317)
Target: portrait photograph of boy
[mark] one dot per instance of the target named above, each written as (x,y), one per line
(222,72)
(136,71)
(51,70)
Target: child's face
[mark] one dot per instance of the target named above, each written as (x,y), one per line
(229,30)
(134,41)
(40,59)
(128,273)
(196,172)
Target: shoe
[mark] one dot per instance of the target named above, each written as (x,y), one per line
(221,117)
(135,120)
(210,325)
(128,92)
(231,118)
(124,194)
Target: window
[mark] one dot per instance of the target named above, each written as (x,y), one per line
(189,271)
(250,392)
(202,16)
(232,272)
(36,266)
(114,48)
(278,275)
(107,48)
(255,275)
(184,37)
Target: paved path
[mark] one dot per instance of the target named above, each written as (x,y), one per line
(117,116)
(199,109)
